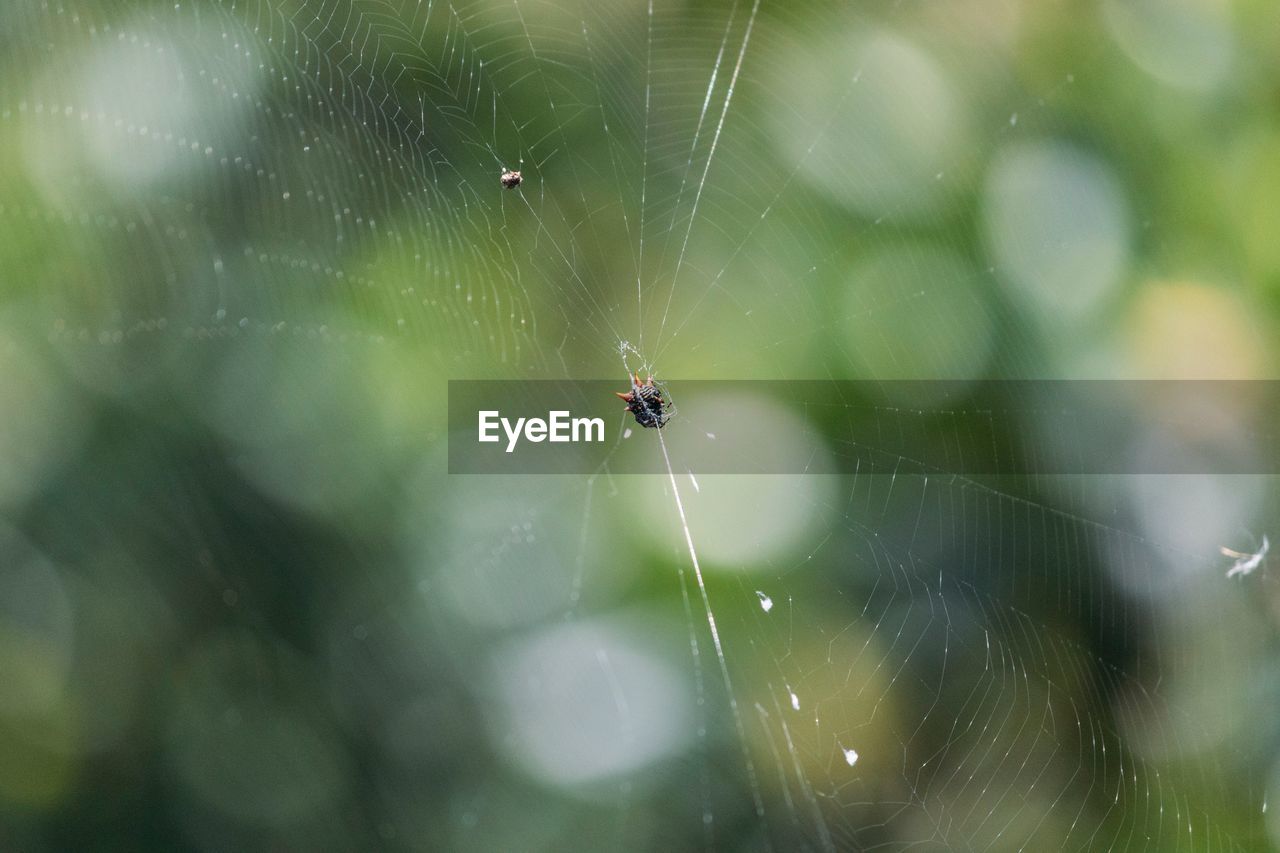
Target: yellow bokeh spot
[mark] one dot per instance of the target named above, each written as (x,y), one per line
(1187,330)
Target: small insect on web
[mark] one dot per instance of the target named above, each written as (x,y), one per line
(1246,563)
(510,178)
(646,402)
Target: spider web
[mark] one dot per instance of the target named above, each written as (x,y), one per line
(278,225)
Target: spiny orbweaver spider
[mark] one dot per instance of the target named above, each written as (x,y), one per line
(644,400)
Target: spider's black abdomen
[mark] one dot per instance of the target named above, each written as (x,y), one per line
(648,407)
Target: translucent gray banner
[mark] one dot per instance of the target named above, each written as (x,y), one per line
(828,426)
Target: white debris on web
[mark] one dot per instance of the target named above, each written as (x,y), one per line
(694,480)
(1246,563)
(711,435)
(625,349)
(795,700)
(766,603)
(626,433)
(850,755)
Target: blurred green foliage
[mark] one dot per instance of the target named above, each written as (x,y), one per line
(243,244)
